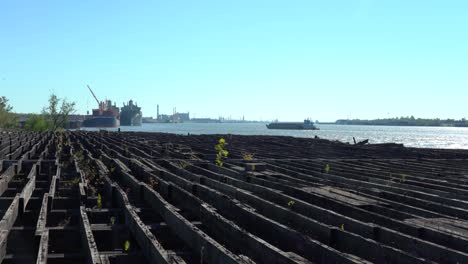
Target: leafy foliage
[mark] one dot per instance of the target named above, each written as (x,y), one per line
(7,117)
(99,201)
(127,246)
(222,152)
(58,111)
(37,123)
(327,168)
(54,116)
(4,104)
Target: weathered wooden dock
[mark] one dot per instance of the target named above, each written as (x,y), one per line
(100,197)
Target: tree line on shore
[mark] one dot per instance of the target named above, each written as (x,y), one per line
(53,117)
(406,121)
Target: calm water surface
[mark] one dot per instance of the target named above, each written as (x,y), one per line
(425,137)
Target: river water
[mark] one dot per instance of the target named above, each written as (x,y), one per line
(425,137)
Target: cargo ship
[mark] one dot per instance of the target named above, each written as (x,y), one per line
(130,115)
(106,115)
(306,125)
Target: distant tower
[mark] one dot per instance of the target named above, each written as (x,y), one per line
(157,117)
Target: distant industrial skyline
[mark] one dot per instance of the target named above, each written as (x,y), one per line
(285,60)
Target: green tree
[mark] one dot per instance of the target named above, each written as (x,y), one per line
(37,123)
(7,117)
(4,104)
(58,111)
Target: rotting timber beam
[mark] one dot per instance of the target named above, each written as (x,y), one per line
(42,232)
(386,236)
(11,214)
(303,244)
(212,251)
(227,232)
(327,198)
(6,224)
(6,177)
(42,219)
(51,194)
(87,238)
(28,190)
(3,243)
(43,251)
(152,249)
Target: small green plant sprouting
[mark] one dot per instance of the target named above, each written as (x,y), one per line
(327,168)
(183,164)
(125,148)
(99,201)
(291,203)
(73,182)
(222,152)
(113,219)
(194,157)
(342,227)
(79,154)
(65,221)
(247,156)
(127,246)
(402,177)
(76,181)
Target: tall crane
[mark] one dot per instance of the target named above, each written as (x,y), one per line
(99,104)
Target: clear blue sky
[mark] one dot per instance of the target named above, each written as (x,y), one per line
(265,59)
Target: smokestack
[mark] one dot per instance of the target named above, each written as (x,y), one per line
(157,117)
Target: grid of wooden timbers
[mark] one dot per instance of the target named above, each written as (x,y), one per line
(94,197)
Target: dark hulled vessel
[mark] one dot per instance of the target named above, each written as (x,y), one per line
(130,115)
(306,125)
(106,116)
(101,121)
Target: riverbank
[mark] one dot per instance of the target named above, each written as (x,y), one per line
(406,121)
